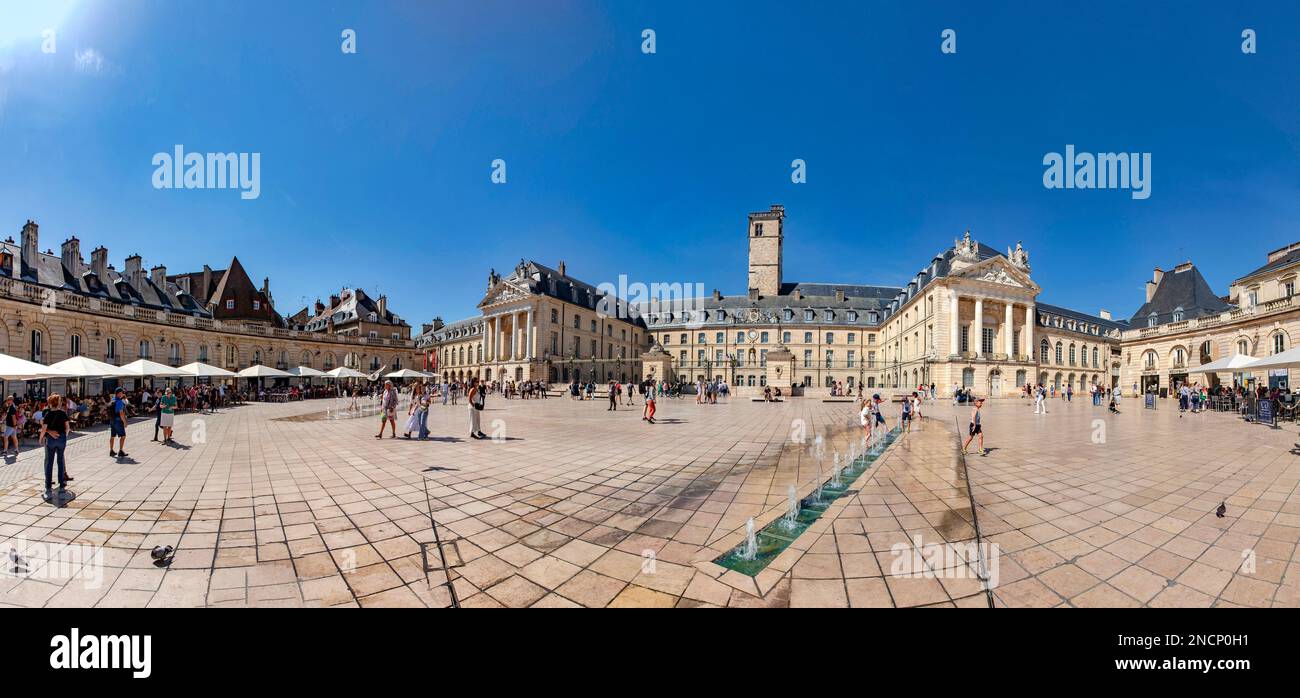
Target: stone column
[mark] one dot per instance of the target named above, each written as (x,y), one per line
(977,328)
(1030,320)
(499,338)
(519,334)
(954,327)
(528,348)
(1008,328)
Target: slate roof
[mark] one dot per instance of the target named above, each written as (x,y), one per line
(355,306)
(47,270)
(1186,290)
(1291,257)
(1081,317)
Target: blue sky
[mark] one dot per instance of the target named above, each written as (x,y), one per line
(375,167)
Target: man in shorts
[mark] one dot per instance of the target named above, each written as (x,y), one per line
(117,425)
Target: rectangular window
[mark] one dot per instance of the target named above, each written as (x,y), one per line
(871,339)
(830,337)
(851,358)
(230,304)
(986,340)
(1288,289)
(965,339)
(853,337)
(785,337)
(871,359)
(762,357)
(807,338)
(830,359)
(720,339)
(807,357)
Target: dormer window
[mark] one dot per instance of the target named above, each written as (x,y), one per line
(230,304)
(808,316)
(1151,320)
(372,317)
(1178,314)
(257,305)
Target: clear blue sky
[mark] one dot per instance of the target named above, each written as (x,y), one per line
(376,166)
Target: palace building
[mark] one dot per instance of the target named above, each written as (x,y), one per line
(538,323)
(56,306)
(970,317)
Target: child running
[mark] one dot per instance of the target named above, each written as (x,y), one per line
(975,428)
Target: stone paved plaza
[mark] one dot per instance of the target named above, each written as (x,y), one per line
(269,505)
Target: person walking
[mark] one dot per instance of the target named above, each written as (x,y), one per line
(388,410)
(1039,395)
(477,401)
(117,425)
(156,405)
(54,437)
(167,414)
(613,397)
(975,427)
(11,426)
(648,413)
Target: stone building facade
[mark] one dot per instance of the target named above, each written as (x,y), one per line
(538,323)
(970,317)
(55,306)
(1183,325)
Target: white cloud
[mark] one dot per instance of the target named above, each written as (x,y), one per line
(90,61)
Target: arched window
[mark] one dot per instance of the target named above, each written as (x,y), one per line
(174,354)
(1279,343)
(74,345)
(1095,363)
(203,353)
(257,357)
(144,349)
(38,346)
(1180,357)
(1060,352)
(110,349)
(1149,360)
(1243,347)
(1044,350)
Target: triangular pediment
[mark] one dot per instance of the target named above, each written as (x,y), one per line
(504,292)
(1000,272)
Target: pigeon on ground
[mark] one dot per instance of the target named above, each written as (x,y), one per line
(162,553)
(1223,509)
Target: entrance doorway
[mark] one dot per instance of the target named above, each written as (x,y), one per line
(995,383)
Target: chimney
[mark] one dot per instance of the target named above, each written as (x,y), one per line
(797,295)
(1185,266)
(71,254)
(320,307)
(1155,282)
(158,275)
(839,295)
(184,283)
(29,240)
(207,284)
(426,328)
(99,262)
(134,271)
(383,307)
(561,270)
(753,294)
(717,295)
(1104,314)
(334,301)
(437,323)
